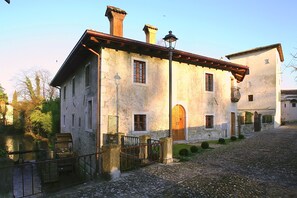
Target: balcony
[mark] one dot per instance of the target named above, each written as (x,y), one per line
(235,94)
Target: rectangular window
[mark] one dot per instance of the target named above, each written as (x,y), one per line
(89,114)
(267,119)
(64,120)
(266,61)
(139,72)
(208,82)
(293,104)
(139,122)
(73,86)
(250,98)
(72,120)
(64,93)
(87,76)
(209,121)
(285,105)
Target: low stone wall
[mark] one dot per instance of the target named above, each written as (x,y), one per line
(247,128)
(200,133)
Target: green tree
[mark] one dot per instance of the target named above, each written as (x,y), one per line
(3,107)
(37,108)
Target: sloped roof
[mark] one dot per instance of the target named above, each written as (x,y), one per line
(289,91)
(278,46)
(97,40)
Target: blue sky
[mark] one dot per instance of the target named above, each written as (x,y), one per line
(41,34)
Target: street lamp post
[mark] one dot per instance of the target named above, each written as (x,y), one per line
(171,40)
(117,79)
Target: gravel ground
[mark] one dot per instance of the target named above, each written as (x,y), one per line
(264,165)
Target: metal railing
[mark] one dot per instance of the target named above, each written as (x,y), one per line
(129,141)
(137,155)
(48,176)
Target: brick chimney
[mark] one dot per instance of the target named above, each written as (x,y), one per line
(116,17)
(150,33)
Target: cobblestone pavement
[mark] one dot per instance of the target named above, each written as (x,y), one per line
(264,165)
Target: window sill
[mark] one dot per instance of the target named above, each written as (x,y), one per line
(139,132)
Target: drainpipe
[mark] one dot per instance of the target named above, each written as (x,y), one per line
(98,135)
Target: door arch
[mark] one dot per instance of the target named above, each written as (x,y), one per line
(178,122)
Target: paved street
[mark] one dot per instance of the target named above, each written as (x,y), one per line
(264,165)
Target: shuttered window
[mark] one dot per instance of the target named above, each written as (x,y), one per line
(139,122)
(209,121)
(208,82)
(139,72)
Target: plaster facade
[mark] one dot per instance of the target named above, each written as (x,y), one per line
(260,91)
(152,98)
(91,101)
(289,106)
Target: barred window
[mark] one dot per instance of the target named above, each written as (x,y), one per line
(139,122)
(209,121)
(139,72)
(208,82)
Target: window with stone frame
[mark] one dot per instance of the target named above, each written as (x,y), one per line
(87,75)
(250,98)
(209,121)
(89,115)
(73,86)
(139,122)
(139,71)
(208,82)
(64,93)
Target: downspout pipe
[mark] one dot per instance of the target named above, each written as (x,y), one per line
(98,137)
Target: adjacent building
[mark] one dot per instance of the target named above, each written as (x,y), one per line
(289,109)
(108,76)
(260,102)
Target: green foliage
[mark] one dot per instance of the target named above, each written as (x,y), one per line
(3,152)
(3,107)
(267,119)
(241,136)
(205,145)
(248,117)
(221,141)
(194,149)
(184,152)
(38,112)
(41,122)
(233,138)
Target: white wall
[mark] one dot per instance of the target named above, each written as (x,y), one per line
(152,98)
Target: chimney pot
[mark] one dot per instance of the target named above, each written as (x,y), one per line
(150,33)
(116,17)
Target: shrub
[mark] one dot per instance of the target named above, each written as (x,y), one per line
(233,138)
(184,152)
(241,136)
(222,141)
(194,149)
(205,145)
(3,153)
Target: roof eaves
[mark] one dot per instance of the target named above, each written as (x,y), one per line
(278,46)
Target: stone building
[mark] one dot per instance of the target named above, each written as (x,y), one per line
(289,109)
(260,102)
(204,93)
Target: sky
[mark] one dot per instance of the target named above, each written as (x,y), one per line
(38,35)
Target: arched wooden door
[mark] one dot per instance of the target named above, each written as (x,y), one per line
(178,122)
